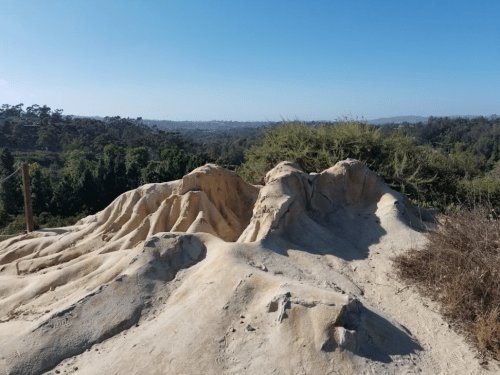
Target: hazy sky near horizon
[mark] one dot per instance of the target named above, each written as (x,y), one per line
(252,60)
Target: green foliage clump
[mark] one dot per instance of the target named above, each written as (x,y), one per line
(45,220)
(316,149)
(10,189)
(312,149)
(479,135)
(174,165)
(41,188)
(84,183)
(483,190)
(448,171)
(110,175)
(440,178)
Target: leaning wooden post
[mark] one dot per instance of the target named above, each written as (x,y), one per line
(27,198)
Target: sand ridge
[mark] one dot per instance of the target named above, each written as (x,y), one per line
(211,275)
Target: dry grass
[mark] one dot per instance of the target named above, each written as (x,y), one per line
(459,267)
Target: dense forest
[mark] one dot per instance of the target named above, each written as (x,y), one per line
(479,135)
(79,165)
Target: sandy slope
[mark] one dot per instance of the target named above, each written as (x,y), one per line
(210,275)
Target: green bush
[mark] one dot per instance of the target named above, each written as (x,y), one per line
(483,190)
(448,172)
(395,157)
(174,165)
(46,220)
(17,224)
(430,177)
(313,149)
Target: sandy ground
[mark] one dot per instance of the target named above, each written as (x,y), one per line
(210,275)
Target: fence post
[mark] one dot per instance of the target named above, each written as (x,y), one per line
(27,198)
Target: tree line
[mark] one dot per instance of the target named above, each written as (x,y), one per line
(479,135)
(80,165)
(39,128)
(86,185)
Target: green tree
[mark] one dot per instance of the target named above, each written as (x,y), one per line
(44,112)
(10,193)
(174,160)
(194,161)
(77,190)
(111,175)
(87,191)
(135,160)
(12,111)
(41,189)
(174,165)
(6,133)
(316,149)
(66,200)
(48,135)
(149,174)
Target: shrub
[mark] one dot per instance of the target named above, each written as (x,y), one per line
(395,157)
(481,189)
(430,177)
(17,223)
(459,267)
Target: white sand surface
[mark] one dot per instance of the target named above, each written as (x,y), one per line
(211,275)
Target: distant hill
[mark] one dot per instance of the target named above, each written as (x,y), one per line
(417,119)
(398,120)
(194,125)
(207,125)
(215,125)
(92,117)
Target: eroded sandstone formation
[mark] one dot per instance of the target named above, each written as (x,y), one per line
(211,275)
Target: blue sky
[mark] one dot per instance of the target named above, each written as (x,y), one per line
(252,60)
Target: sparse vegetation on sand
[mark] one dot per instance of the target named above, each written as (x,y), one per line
(459,267)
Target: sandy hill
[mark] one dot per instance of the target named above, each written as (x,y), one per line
(211,275)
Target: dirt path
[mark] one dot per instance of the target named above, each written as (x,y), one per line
(448,352)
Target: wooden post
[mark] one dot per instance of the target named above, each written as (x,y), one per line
(27,198)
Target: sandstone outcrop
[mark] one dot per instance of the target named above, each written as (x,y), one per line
(211,275)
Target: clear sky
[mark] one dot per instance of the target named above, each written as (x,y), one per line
(252,60)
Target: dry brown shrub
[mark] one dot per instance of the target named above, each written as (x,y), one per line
(459,267)
(487,331)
